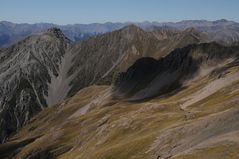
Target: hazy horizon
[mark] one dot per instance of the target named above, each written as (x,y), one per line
(92,11)
(121,22)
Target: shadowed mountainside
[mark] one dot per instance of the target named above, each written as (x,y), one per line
(149,77)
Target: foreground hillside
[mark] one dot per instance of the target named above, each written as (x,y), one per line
(197,119)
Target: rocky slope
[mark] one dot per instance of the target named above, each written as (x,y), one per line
(26,70)
(47,67)
(197,119)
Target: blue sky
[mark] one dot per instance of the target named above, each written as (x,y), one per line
(89,11)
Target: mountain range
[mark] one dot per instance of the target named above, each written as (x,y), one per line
(221,30)
(143,90)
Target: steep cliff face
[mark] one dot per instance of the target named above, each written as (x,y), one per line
(26,69)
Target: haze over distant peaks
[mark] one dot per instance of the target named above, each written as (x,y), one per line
(224,30)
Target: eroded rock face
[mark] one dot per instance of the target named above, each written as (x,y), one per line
(25,72)
(24,101)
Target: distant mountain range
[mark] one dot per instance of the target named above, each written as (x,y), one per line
(221,30)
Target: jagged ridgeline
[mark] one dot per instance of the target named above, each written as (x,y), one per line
(222,31)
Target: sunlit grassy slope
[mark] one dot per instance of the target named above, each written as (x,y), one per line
(92,125)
